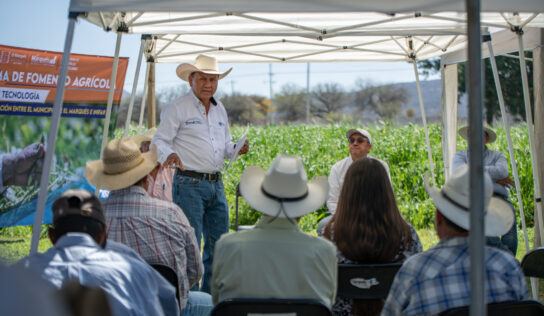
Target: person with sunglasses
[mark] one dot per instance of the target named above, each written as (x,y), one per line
(360,144)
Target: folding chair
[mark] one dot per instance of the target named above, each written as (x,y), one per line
(248,306)
(169,274)
(240,227)
(366,281)
(532,263)
(512,308)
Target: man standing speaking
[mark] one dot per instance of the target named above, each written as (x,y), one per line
(194,137)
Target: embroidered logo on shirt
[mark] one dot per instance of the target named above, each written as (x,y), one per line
(191,122)
(221,124)
(364,283)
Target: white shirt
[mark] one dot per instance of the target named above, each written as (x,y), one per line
(201,141)
(336,179)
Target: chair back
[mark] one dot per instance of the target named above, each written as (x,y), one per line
(289,307)
(532,263)
(366,281)
(512,308)
(169,274)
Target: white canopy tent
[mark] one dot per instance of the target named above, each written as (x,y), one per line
(340,30)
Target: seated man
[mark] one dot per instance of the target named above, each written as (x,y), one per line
(79,236)
(157,230)
(276,259)
(438,279)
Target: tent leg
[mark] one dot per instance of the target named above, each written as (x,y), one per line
(529,116)
(52,137)
(424,118)
(449,115)
(110,95)
(476,154)
(134,86)
(144,98)
(506,126)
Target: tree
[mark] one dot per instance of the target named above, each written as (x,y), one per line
(510,78)
(291,102)
(330,98)
(386,101)
(242,109)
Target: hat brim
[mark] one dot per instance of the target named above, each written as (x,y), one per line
(139,138)
(250,188)
(498,220)
(100,180)
(184,70)
(463,132)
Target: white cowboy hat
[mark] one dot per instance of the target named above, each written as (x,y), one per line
(284,185)
(463,132)
(203,63)
(453,202)
(121,166)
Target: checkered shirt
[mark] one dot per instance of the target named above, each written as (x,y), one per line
(438,279)
(158,231)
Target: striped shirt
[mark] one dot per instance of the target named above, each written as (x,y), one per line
(158,231)
(438,279)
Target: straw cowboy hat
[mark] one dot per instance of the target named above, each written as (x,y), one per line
(463,132)
(203,63)
(121,166)
(453,202)
(283,190)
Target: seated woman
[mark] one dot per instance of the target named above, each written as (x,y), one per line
(368,228)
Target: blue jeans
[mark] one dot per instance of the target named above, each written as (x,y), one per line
(199,304)
(205,205)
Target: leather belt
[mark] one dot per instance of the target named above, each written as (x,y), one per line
(212,177)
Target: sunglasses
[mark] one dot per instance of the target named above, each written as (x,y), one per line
(359,140)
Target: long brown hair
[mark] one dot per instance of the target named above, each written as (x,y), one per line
(367,226)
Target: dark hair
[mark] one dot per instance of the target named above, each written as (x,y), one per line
(367,226)
(452,225)
(77,224)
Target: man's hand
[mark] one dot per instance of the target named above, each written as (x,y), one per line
(507,182)
(24,167)
(173,161)
(244,148)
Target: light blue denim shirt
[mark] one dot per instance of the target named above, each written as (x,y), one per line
(495,164)
(131,285)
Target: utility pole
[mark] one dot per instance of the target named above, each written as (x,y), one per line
(232,87)
(270,82)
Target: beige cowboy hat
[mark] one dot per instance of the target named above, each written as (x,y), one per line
(283,190)
(121,166)
(203,63)
(463,132)
(453,202)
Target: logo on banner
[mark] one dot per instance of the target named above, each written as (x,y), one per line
(23,95)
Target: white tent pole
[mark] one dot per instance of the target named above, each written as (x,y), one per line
(530,128)
(134,86)
(52,137)
(475,160)
(308,93)
(449,115)
(144,98)
(506,126)
(423,117)
(110,95)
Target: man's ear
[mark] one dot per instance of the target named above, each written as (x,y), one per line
(51,234)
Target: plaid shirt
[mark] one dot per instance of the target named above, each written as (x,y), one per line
(438,279)
(158,231)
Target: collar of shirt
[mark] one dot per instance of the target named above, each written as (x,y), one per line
(198,102)
(268,222)
(133,189)
(76,239)
(451,242)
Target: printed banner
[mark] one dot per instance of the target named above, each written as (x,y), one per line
(28,82)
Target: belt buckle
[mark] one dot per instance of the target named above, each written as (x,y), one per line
(209,177)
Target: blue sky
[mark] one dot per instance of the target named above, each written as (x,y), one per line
(39,24)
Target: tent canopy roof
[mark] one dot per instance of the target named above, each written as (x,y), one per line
(237,37)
